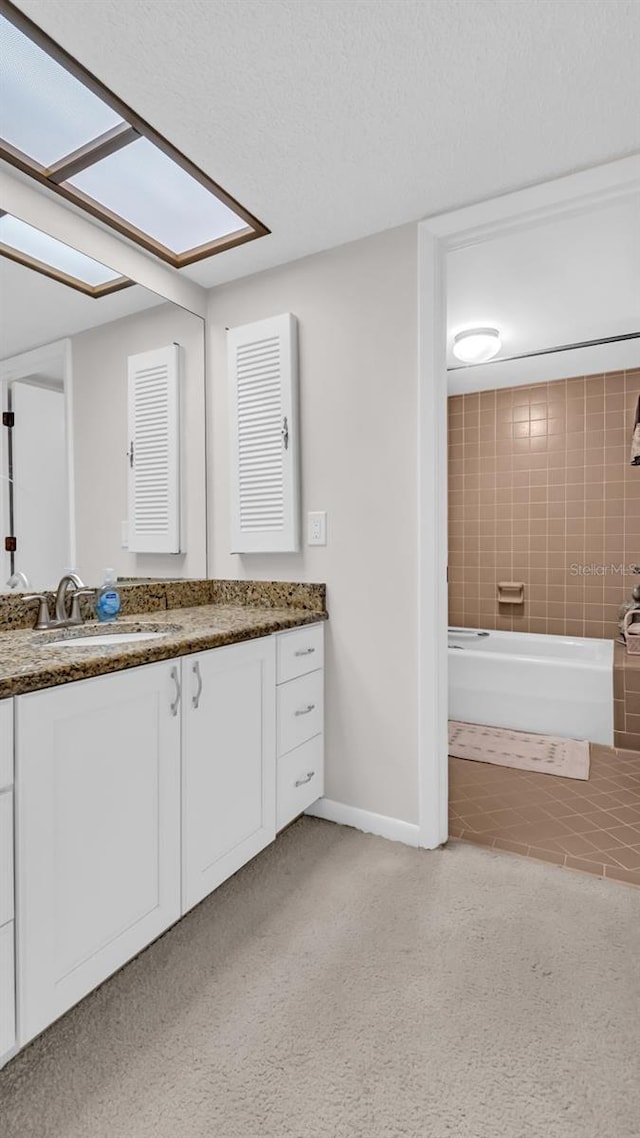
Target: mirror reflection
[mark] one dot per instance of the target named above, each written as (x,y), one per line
(102,445)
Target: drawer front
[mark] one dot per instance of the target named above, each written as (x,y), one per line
(299,652)
(300,779)
(7,992)
(6,856)
(300,711)
(6,743)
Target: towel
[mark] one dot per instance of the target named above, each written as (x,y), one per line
(635,439)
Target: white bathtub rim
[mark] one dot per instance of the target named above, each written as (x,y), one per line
(538,661)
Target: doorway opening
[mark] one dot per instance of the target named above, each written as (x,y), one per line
(450,245)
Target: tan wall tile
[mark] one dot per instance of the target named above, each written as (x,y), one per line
(539,480)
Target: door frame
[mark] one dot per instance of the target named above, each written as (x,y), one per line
(438,236)
(55,355)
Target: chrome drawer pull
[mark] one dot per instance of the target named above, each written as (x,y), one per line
(307,778)
(176,703)
(305,710)
(195,699)
(304,652)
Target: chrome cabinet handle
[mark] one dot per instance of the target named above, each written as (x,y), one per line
(305,710)
(304,652)
(307,778)
(195,700)
(176,702)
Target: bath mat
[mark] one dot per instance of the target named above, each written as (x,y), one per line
(565,757)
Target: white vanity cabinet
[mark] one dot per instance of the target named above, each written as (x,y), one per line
(98,831)
(300,720)
(137,794)
(228,762)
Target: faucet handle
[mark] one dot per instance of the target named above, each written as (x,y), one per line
(44,617)
(76,615)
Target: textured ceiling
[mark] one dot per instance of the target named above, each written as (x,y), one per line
(332,119)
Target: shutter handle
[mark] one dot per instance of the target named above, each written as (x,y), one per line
(285,432)
(130,454)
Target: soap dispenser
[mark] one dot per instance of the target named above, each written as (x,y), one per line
(108,598)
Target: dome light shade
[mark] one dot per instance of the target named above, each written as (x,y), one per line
(477,345)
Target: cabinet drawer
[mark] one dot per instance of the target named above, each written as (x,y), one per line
(300,711)
(300,779)
(6,743)
(6,856)
(7,992)
(299,652)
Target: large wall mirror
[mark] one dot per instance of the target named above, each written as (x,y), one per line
(102,443)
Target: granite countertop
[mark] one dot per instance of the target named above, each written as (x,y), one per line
(27,664)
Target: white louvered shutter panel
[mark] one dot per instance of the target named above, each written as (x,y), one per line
(263,382)
(154,451)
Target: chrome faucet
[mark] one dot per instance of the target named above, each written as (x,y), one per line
(61,620)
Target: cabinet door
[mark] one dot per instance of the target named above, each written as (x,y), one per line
(98,832)
(228,766)
(7,993)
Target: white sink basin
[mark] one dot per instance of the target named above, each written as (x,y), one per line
(106,639)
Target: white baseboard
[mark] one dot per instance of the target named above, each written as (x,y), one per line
(392,828)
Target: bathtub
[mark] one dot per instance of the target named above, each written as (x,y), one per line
(552,685)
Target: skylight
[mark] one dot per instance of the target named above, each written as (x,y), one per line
(61,126)
(147,189)
(21,242)
(46,112)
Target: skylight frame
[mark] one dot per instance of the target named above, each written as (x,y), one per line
(133,126)
(56,274)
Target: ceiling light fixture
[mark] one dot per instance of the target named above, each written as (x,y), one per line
(476,345)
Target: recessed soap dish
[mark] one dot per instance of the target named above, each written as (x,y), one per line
(510,592)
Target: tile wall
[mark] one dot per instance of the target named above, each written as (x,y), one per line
(626,694)
(540,485)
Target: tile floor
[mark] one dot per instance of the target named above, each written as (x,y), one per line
(593,826)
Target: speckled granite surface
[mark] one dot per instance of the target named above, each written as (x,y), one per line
(28,663)
(158,596)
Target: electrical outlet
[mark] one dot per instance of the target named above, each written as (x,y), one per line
(124,535)
(317,528)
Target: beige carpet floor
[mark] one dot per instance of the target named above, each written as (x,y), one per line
(343,986)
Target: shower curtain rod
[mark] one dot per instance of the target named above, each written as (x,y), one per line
(550,351)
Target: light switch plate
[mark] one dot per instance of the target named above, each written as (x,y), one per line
(317,528)
(124,535)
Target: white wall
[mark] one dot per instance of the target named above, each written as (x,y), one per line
(100,434)
(357,311)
